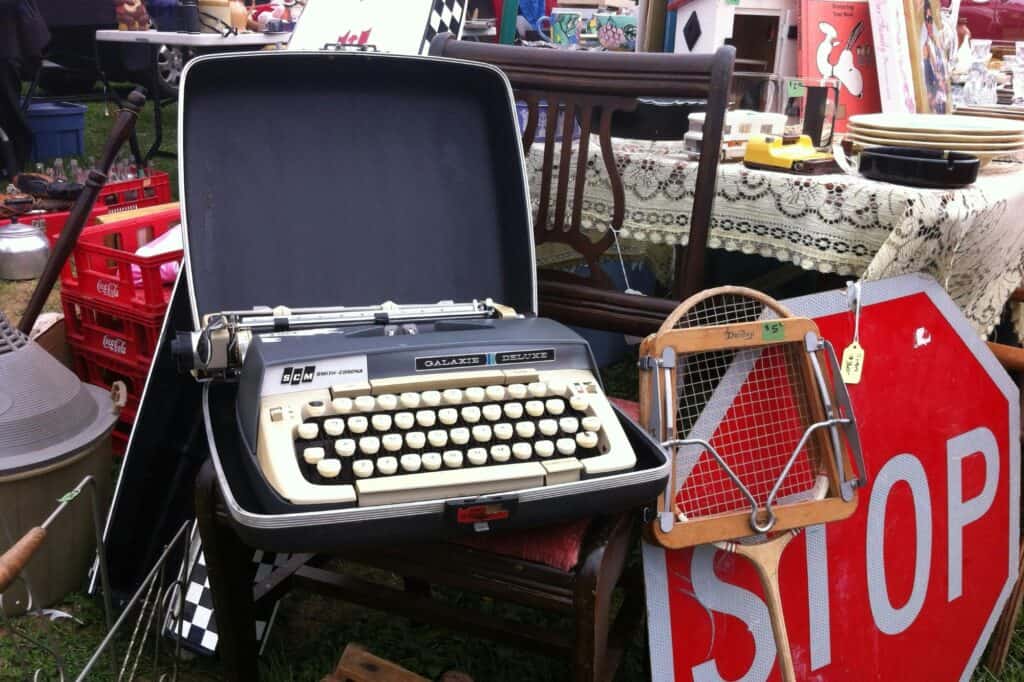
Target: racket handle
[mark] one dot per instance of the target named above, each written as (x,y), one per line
(13,561)
(765,558)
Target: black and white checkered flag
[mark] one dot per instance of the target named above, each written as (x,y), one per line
(445,17)
(199,622)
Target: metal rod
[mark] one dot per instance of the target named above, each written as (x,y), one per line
(131,603)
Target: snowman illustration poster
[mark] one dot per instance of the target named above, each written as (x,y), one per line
(836,42)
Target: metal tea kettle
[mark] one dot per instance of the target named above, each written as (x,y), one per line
(24,250)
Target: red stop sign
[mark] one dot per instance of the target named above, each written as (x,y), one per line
(912,584)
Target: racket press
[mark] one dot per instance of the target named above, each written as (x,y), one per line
(749,401)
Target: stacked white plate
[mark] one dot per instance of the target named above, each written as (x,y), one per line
(986,138)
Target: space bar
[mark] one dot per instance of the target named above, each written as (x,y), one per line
(435,485)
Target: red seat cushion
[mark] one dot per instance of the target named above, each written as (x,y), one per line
(557,545)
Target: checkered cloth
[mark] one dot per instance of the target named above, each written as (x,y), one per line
(199,623)
(445,17)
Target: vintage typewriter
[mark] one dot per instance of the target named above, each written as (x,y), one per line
(388,404)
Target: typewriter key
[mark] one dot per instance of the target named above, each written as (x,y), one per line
(517,391)
(477,456)
(334,426)
(431,461)
(358,424)
(453,458)
(313,455)
(329,468)
(513,410)
(387,402)
(586,439)
(415,440)
(438,438)
(569,424)
(555,406)
(526,429)
(362,468)
(482,433)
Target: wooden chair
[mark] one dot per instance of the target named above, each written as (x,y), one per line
(590,88)
(584,591)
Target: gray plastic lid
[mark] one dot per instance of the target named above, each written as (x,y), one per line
(46,413)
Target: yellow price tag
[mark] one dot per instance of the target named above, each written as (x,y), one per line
(853,364)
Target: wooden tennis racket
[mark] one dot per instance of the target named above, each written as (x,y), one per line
(748,400)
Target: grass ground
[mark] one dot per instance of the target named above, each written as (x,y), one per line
(310,631)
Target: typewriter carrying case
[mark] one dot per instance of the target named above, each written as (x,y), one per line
(350,179)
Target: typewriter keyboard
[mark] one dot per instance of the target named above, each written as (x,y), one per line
(451,435)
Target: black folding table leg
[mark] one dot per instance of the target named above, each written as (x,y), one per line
(227,565)
(157,100)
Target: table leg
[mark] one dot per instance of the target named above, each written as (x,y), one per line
(227,565)
(157,100)
(133,139)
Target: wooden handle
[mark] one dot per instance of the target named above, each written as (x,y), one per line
(765,558)
(123,127)
(14,560)
(1010,357)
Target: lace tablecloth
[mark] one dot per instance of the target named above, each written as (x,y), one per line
(970,240)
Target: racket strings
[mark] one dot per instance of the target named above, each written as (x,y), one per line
(722,309)
(752,405)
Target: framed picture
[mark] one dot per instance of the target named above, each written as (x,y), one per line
(929,68)
(912,72)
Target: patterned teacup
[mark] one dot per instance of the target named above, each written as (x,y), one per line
(563,27)
(616,31)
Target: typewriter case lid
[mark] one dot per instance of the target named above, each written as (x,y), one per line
(324,179)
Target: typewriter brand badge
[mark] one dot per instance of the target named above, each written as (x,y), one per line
(517,357)
(451,362)
(511,357)
(350,369)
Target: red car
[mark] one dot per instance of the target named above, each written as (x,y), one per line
(993,19)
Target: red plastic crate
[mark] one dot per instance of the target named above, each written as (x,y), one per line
(126,195)
(105,330)
(100,267)
(152,190)
(103,371)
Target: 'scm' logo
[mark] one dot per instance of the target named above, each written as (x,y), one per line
(298,375)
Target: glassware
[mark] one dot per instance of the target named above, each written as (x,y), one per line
(1018,84)
(980,87)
